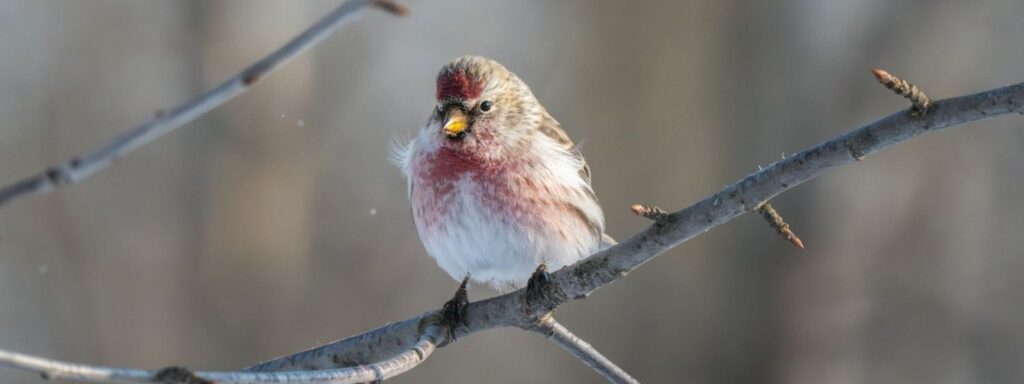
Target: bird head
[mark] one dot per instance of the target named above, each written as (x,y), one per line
(479,100)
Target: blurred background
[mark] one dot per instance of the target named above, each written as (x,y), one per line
(276,223)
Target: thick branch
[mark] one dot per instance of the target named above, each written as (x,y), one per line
(581,279)
(401,346)
(402,362)
(582,350)
(411,341)
(80,168)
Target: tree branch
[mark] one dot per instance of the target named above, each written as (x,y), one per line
(558,334)
(396,348)
(400,363)
(407,343)
(583,278)
(80,168)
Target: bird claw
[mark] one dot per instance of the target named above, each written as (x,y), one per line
(453,314)
(179,375)
(539,285)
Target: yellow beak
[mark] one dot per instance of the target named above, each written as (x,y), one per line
(455,126)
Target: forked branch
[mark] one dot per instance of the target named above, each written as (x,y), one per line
(558,334)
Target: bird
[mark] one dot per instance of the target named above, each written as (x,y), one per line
(499,192)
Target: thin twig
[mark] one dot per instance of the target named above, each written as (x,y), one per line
(81,168)
(582,350)
(919,101)
(775,220)
(53,369)
(651,212)
(581,279)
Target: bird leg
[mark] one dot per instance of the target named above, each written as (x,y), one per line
(453,314)
(539,285)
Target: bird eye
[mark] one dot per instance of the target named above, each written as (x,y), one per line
(485,106)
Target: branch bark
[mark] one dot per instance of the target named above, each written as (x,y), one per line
(80,168)
(583,278)
(394,366)
(558,334)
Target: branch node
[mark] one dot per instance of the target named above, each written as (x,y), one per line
(53,174)
(60,175)
(251,78)
(651,212)
(854,152)
(775,220)
(392,7)
(918,99)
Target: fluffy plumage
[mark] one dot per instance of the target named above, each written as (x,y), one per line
(510,190)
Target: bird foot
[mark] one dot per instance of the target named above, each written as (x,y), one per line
(453,314)
(179,375)
(539,286)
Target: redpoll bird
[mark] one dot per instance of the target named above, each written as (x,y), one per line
(497,187)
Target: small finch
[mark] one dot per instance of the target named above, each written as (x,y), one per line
(497,187)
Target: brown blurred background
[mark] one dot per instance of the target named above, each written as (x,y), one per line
(275,223)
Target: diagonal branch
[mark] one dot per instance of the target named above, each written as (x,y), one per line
(80,168)
(583,278)
(558,334)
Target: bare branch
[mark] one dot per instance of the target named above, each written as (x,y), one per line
(80,168)
(406,343)
(582,350)
(581,279)
(400,363)
(396,348)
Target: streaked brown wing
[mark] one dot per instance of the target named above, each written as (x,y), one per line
(550,127)
(553,129)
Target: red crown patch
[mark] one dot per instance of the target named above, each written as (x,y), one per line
(457,84)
